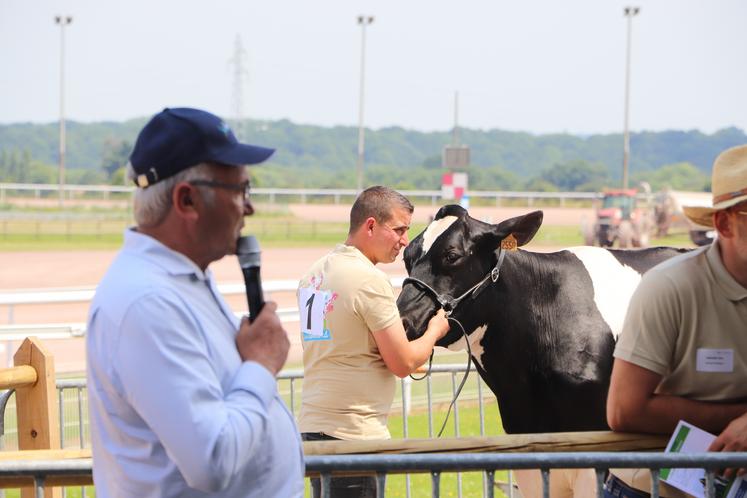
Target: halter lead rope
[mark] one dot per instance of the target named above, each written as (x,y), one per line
(449,304)
(464,379)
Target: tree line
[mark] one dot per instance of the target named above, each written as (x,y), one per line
(324,157)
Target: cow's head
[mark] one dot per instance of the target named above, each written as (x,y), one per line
(451,255)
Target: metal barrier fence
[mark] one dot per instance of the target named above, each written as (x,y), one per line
(73,402)
(74,433)
(13,298)
(436,464)
(302,194)
(95,228)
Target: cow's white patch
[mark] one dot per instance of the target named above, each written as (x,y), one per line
(475,340)
(613,283)
(434,230)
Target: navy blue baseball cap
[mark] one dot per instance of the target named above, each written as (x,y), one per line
(177,139)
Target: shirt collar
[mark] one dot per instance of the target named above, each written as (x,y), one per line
(353,252)
(730,287)
(173,262)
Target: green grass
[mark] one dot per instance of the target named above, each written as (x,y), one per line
(47,229)
(469,425)
(278,232)
(47,235)
(681,239)
(551,235)
(26,242)
(468,416)
(55,235)
(71,492)
(568,236)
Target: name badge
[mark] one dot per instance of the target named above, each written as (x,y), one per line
(715,360)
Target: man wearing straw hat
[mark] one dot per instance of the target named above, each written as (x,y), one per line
(682,351)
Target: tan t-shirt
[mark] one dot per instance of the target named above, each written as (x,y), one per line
(687,321)
(347,388)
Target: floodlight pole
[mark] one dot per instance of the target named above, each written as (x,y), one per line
(629,12)
(363,21)
(62,21)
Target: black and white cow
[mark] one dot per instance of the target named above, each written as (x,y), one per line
(543,332)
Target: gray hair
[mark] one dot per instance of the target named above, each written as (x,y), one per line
(152,204)
(377,202)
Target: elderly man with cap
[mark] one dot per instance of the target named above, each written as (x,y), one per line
(683,348)
(183,397)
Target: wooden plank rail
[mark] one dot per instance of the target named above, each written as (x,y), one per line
(553,442)
(514,443)
(15,377)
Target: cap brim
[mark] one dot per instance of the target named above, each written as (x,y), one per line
(242,154)
(699,215)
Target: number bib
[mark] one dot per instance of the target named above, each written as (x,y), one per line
(313,306)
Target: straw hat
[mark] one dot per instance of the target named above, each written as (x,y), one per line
(728,184)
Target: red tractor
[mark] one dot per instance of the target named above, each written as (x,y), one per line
(620,219)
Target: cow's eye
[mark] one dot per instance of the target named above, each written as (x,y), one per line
(451,257)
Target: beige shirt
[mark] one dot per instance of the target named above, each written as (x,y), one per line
(686,308)
(347,388)
(687,321)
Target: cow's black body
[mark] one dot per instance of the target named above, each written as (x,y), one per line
(547,350)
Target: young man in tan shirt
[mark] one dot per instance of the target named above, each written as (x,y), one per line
(353,338)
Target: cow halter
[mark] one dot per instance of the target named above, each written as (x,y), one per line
(449,303)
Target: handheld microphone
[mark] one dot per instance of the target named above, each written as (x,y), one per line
(247,250)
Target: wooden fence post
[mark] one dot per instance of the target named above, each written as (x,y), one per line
(37,407)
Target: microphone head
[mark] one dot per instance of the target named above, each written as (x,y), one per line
(247,249)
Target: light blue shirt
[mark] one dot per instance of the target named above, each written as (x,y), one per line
(174,411)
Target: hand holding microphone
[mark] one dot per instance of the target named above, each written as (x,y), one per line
(261,336)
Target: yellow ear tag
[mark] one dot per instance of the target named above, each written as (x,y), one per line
(509,243)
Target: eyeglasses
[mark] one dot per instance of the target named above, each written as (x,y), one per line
(243,187)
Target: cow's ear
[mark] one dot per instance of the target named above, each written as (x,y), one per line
(450,210)
(522,228)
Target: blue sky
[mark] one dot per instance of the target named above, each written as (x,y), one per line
(540,66)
